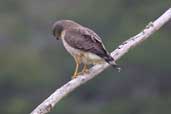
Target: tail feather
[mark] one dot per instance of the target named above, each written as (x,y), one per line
(110,60)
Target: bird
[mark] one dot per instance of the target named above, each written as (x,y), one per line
(83,44)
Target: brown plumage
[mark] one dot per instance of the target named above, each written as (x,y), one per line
(82,43)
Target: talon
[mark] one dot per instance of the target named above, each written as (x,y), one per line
(86,71)
(74,76)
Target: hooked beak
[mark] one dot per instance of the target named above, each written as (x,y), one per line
(57,38)
(54,34)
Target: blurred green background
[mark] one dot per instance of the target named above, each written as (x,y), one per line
(33,64)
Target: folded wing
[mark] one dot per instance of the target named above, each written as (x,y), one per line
(86,40)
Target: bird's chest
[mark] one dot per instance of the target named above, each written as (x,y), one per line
(70,49)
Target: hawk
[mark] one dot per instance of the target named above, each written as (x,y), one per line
(83,44)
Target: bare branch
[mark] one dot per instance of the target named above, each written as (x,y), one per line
(47,105)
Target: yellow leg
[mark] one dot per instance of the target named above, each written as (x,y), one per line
(77,60)
(85,69)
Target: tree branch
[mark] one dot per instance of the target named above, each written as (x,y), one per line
(47,105)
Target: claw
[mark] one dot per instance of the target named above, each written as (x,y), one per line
(84,71)
(74,76)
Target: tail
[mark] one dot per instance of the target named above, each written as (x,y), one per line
(110,60)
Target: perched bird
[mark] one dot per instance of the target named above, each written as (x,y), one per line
(83,44)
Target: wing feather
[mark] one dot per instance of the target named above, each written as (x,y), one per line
(86,40)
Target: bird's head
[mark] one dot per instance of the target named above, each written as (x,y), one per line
(61,25)
(58,27)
